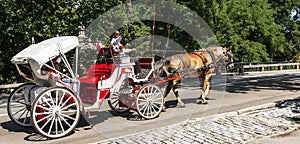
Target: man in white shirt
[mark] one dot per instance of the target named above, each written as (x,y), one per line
(120,49)
(116,42)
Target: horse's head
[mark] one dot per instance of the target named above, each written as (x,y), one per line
(228,55)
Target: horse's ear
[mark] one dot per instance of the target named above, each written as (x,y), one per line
(157,58)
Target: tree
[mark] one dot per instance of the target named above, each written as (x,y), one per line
(22,20)
(288,15)
(249,26)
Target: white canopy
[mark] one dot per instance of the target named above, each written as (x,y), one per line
(46,50)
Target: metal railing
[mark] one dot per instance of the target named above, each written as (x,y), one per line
(239,68)
(243,67)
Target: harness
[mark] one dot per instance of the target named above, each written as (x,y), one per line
(204,60)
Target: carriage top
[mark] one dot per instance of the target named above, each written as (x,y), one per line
(37,55)
(46,50)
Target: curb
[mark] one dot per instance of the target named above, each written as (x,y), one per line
(255,108)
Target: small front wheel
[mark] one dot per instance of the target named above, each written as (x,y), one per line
(149,101)
(120,102)
(55,112)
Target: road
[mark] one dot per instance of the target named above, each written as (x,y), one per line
(228,93)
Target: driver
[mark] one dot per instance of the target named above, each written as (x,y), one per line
(116,45)
(120,50)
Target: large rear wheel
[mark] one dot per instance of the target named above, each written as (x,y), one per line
(55,112)
(19,111)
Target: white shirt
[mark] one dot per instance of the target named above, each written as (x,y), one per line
(116,41)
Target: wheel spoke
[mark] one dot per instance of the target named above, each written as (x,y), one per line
(50,97)
(46,117)
(157,99)
(143,93)
(18,111)
(51,125)
(69,111)
(47,121)
(25,118)
(39,106)
(56,98)
(61,99)
(56,128)
(150,109)
(73,104)
(46,101)
(43,113)
(60,124)
(114,102)
(68,117)
(65,102)
(115,106)
(17,100)
(156,105)
(143,107)
(142,100)
(64,120)
(22,114)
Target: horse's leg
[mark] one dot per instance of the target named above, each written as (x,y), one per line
(175,90)
(167,91)
(205,89)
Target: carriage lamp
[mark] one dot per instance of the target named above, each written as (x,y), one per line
(101,80)
(81,31)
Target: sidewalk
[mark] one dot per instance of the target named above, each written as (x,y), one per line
(269,123)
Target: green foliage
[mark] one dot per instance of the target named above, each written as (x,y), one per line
(258,30)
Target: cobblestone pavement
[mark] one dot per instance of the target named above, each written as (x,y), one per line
(243,126)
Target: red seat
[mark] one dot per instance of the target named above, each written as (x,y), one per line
(89,82)
(105,52)
(146,63)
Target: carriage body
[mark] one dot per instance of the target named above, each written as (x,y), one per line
(52,106)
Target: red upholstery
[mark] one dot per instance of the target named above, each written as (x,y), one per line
(106,52)
(145,63)
(89,82)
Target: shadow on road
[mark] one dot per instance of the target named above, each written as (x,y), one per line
(278,82)
(294,105)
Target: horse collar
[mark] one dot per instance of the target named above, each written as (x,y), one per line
(203,58)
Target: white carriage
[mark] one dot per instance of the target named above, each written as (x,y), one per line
(53,105)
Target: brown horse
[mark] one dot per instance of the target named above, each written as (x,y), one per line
(202,63)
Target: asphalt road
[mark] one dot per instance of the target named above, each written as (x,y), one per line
(228,93)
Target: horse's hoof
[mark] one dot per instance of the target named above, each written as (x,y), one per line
(205,103)
(202,102)
(180,106)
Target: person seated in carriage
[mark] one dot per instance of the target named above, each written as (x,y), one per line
(55,76)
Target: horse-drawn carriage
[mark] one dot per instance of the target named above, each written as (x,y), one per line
(53,105)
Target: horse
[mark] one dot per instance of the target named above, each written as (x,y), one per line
(202,62)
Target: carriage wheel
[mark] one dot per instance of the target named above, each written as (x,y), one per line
(18,111)
(55,112)
(115,103)
(149,101)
